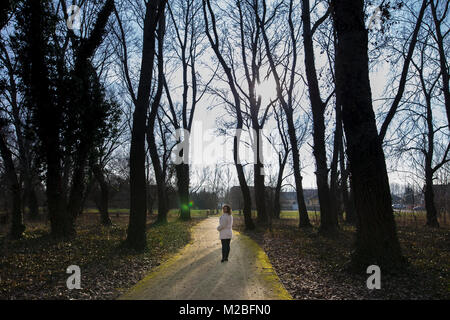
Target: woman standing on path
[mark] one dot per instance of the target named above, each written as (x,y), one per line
(225,229)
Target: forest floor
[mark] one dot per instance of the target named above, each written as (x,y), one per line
(35,266)
(196,272)
(312,266)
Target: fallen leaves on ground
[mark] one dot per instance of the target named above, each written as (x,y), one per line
(35,267)
(312,266)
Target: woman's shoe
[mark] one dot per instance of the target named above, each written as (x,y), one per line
(222,260)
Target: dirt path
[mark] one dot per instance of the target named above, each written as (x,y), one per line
(197,273)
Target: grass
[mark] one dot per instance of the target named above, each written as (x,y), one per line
(34,267)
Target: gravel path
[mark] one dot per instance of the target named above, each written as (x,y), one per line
(197,273)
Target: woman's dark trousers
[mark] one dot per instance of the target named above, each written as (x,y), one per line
(225,248)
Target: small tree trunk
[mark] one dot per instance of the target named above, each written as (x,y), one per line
(260,197)
(104,195)
(258,168)
(182,171)
(349,204)
(249,225)
(429,201)
(303,212)
(276,202)
(75,203)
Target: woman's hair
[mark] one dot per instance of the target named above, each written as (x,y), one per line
(228,210)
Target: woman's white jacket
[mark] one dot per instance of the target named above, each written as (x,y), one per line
(225,226)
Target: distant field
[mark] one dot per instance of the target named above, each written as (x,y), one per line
(172,213)
(402,217)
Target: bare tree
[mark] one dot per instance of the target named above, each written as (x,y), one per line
(328,214)
(285,92)
(211,26)
(403,78)
(186,46)
(424,139)
(136,237)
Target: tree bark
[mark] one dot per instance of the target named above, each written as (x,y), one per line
(328,217)
(136,235)
(163,207)
(429,153)
(376,235)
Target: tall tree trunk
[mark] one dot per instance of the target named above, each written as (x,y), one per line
(429,171)
(17,226)
(136,235)
(48,117)
(163,206)
(328,217)
(376,235)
